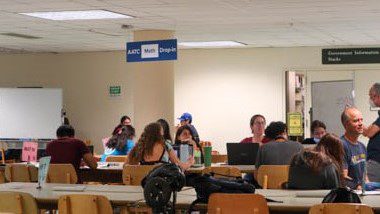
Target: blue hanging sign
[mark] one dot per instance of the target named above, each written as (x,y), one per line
(158,50)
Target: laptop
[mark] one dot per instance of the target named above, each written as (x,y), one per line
(242,153)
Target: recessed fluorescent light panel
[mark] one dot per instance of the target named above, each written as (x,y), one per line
(211,44)
(78,15)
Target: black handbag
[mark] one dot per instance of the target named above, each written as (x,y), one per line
(342,195)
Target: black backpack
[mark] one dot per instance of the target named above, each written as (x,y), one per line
(205,185)
(342,195)
(159,185)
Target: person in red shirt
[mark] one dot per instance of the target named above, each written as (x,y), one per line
(67,149)
(257,125)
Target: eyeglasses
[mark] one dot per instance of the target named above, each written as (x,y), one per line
(259,123)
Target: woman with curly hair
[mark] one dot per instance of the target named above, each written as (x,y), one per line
(151,148)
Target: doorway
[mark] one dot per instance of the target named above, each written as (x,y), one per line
(329,99)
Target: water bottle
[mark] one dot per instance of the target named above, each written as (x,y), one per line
(197,156)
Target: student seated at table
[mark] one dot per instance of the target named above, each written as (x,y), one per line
(318,168)
(318,130)
(165,126)
(124,121)
(67,149)
(280,150)
(120,143)
(152,149)
(184,135)
(257,125)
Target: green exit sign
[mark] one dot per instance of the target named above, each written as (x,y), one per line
(115,90)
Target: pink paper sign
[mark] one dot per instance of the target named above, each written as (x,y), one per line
(29,151)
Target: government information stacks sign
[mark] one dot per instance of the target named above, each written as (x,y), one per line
(158,50)
(350,55)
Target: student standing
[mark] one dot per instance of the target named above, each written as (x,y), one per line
(373,133)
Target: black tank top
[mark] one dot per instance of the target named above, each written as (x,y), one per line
(143,162)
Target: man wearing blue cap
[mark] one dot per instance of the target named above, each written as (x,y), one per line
(186,119)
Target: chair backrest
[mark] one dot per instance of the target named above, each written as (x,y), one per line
(2,177)
(116,158)
(222,171)
(2,156)
(347,208)
(272,176)
(62,173)
(133,174)
(219,158)
(18,203)
(78,204)
(237,203)
(20,172)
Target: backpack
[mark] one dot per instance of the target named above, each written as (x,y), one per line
(159,185)
(342,195)
(205,185)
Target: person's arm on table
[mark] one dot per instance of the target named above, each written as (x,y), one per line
(90,160)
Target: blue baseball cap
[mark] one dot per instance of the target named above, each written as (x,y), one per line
(185,116)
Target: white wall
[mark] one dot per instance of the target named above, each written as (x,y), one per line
(84,78)
(223,88)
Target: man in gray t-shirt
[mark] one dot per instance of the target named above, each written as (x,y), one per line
(280,150)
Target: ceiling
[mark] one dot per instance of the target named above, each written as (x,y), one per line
(258,23)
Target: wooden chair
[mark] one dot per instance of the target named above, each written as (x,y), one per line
(133,174)
(347,208)
(2,177)
(17,202)
(237,203)
(78,204)
(116,158)
(62,173)
(2,155)
(222,171)
(218,158)
(3,148)
(272,176)
(21,173)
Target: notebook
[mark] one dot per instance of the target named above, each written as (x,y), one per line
(242,153)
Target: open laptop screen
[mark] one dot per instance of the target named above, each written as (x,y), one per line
(242,153)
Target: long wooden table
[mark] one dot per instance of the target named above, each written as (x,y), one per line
(242,168)
(106,172)
(111,172)
(289,201)
(292,201)
(47,197)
